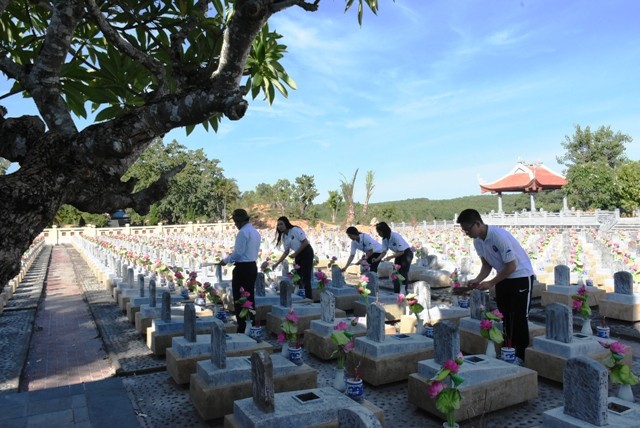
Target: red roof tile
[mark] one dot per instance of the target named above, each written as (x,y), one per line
(526,178)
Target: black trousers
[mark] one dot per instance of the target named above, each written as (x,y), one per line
(405,263)
(373,266)
(513,296)
(244,276)
(304,259)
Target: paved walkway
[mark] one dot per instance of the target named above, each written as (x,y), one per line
(66,348)
(87,367)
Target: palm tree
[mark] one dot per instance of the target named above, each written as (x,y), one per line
(368,187)
(334,202)
(347,194)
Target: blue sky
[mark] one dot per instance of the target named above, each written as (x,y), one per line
(431,95)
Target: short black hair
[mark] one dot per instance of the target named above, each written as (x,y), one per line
(469,216)
(352,230)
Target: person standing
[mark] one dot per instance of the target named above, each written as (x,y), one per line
(244,256)
(294,239)
(400,253)
(499,250)
(365,243)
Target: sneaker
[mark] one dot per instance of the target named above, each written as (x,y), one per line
(519,362)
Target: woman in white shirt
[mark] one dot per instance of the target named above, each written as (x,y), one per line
(401,253)
(294,239)
(365,243)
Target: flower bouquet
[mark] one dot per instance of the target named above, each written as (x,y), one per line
(332,261)
(344,341)
(443,387)
(488,328)
(289,329)
(265,268)
(321,279)
(210,293)
(620,372)
(395,274)
(414,307)
(246,305)
(294,275)
(579,302)
(362,288)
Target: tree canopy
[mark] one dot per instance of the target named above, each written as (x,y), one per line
(138,69)
(600,175)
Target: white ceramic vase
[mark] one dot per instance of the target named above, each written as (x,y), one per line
(338,380)
(586,327)
(491,349)
(625,393)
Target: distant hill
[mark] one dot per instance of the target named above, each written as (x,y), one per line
(411,210)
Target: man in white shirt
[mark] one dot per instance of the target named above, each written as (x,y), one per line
(244,256)
(499,250)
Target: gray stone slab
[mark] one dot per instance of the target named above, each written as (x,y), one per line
(392,345)
(292,411)
(580,345)
(238,369)
(326,328)
(202,345)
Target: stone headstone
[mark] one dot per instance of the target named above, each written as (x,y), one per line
(262,385)
(375,322)
(446,341)
(165,309)
(586,382)
(190,322)
(130,274)
(559,323)
(337,278)
(478,301)
(285,293)
(152,293)
(623,282)
(285,267)
(422,290)
(141,284)
(561,275)
(218,344)
(260,284)
(327,306)
(432,262)
(372,284)
(218,273)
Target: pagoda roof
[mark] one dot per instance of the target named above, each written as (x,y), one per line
(526,178)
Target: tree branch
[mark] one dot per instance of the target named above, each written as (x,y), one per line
(43,80)
(19,135)
(154,66)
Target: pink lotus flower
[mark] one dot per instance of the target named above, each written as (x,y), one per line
(291,316)
(394,276)
(350,346)
(486,324)
(497,313)
(576,304)
(400,298)
(342,326)
(281,337)
(435,388)
(247,304)
(618,348)
(451,365)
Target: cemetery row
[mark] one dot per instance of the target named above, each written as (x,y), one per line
(378,339)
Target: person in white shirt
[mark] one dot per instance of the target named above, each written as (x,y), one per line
(294,239)
(400,253)
(499,250)
(244,256)
(365,243)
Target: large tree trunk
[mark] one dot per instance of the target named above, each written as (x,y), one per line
(61,165)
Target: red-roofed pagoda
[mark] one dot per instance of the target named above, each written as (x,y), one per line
(525,178)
